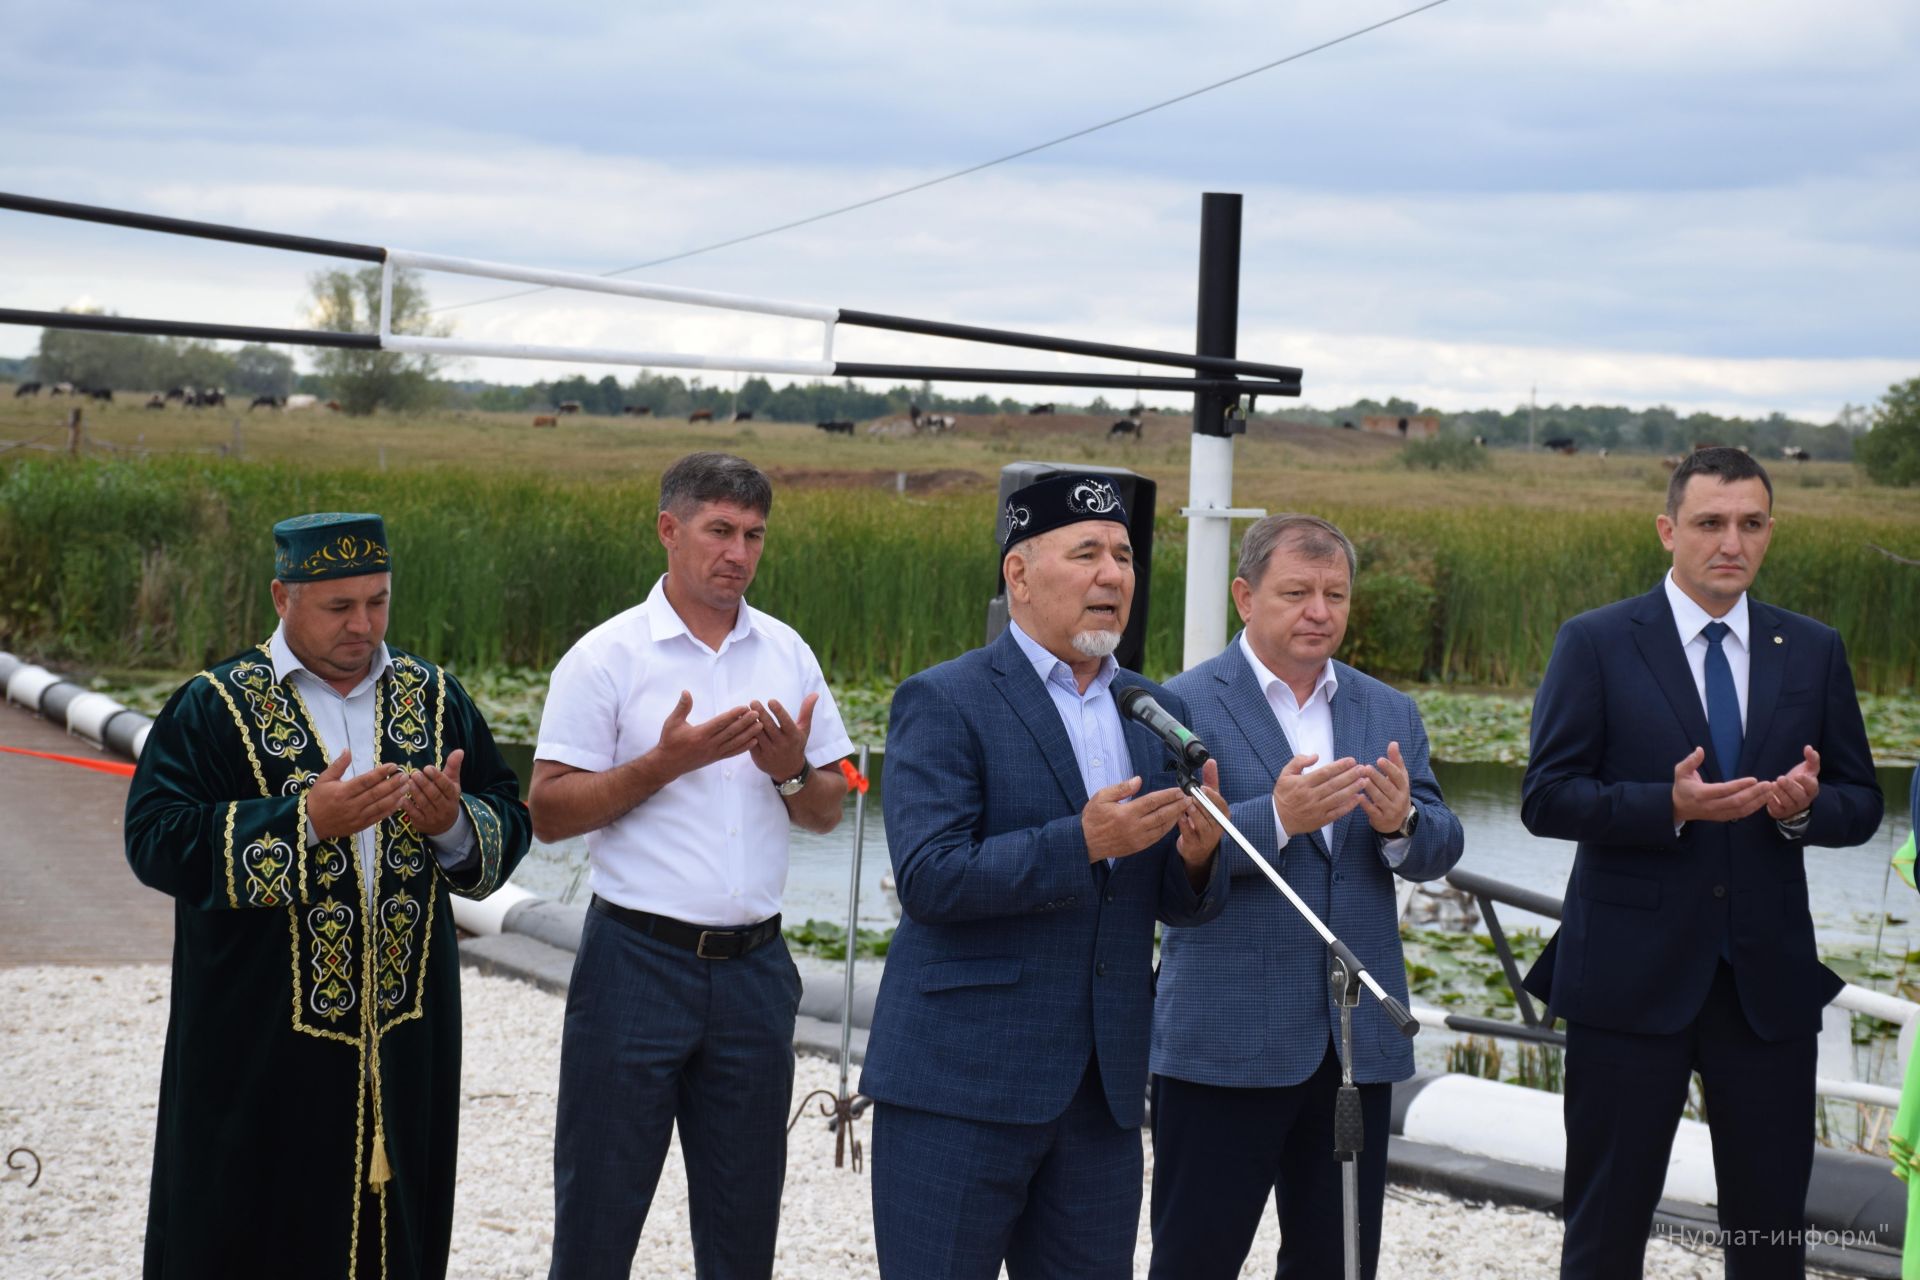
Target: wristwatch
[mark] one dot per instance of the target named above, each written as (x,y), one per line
(1408,827)
(792,785)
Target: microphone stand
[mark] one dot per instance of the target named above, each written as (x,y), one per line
(1409,1026)
(1347,975)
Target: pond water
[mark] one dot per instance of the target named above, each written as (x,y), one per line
(1849,889)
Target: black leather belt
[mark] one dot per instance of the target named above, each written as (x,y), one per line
(708,944)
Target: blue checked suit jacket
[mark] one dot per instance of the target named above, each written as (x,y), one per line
(1245,1001)
(1016,959)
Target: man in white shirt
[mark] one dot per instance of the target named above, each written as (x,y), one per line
(1327,775)
(1694,741)
(681,738)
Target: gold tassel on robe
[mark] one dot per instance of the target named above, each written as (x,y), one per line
(378,1172)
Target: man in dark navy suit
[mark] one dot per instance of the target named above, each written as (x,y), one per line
(1035,837)
(1694,741)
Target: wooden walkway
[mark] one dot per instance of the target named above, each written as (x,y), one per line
(66,893)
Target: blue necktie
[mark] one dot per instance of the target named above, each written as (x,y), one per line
(1723,703)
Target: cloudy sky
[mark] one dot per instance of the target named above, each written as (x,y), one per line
(1709,205)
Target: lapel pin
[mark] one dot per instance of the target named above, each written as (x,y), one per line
(1779,640)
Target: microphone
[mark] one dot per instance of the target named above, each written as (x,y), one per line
(1137,704)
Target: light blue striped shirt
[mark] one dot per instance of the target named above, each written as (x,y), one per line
(1091,719)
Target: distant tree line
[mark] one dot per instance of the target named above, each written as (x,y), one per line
(1659,430)
(128,362)
(670,396)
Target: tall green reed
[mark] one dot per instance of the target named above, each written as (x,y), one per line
(165,563)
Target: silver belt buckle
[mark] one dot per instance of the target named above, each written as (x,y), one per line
(700,946)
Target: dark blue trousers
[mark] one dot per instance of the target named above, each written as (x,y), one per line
(656,1036)
(1218,1153)
(1625,1095)
(953,1198)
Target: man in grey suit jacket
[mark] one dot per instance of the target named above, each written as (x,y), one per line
(1035,836)
(1327,775)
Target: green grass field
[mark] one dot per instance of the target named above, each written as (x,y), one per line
(1279,466)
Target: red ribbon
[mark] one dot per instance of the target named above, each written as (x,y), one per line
(114,767)
(855,779)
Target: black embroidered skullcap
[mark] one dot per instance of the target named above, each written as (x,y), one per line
(329,544)
(1058,500)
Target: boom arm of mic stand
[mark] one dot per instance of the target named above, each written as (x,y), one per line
(1409,1026)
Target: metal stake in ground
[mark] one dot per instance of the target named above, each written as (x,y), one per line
(843,1108)
(1349,1125)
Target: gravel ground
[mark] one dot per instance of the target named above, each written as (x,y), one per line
(80,1058)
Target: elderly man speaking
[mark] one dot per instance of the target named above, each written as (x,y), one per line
(1035,839)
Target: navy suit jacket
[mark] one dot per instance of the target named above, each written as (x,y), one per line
(1016,959)
(1648,913)
(1245,1001)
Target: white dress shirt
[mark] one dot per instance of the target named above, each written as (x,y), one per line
(710,847)
(345,721)
(1691,621)
(1309,730)
(1091,719)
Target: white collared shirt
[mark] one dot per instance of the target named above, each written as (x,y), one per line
(710,847)
(1309,730)
(1091,717)
(345,721)
(1691,621)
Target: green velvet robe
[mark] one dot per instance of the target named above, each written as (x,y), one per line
(304,1026)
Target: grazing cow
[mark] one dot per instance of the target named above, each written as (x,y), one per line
(1348,426)
(61,389)
(102,394)
(1039,408)
(214,399)
(636,410)
(700,415)
(300,402)
(839,427)
(741,415)
(1126,427)
(266,402)
(1479,442)
(569,406)
(935,422)
(156,402)
(1794,453)
(913,414)
(1561,444)
(547,420)
(175,393)
(333,405)
(1138,411)
(26,389)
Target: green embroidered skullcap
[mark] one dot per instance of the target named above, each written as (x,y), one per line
(329,544)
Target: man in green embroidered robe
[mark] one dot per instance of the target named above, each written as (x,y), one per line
(309,805)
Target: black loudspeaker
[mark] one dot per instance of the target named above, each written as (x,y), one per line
(1136,494)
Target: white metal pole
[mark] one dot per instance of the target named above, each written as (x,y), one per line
(1209,542)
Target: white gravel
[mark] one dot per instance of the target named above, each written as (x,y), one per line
(80,1074)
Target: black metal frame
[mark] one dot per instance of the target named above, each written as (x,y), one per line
(1536,1026)
(1218,382)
